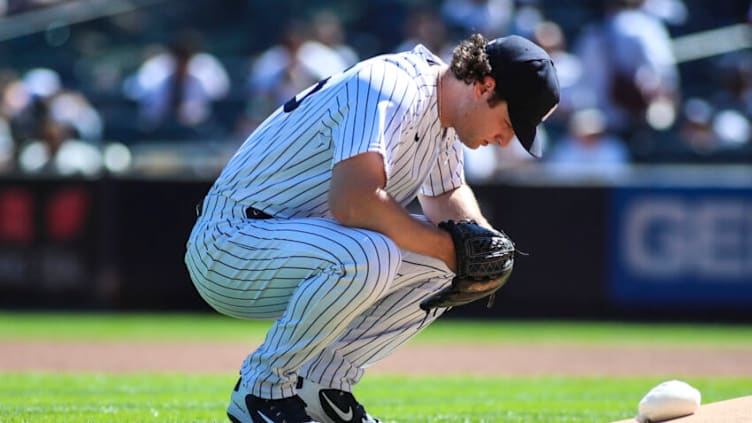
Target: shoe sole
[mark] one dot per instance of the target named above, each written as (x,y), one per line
(235,413)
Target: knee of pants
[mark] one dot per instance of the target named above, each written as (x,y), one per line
(369,264)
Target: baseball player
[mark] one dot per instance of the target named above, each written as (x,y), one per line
(307,224)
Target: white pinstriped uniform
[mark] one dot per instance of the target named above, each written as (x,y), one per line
(343,297)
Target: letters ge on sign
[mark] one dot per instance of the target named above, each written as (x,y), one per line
(703,238)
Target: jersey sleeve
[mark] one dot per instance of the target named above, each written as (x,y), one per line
(377,98)
(447,173)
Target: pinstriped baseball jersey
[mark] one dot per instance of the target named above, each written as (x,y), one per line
(343,297)
(387,104)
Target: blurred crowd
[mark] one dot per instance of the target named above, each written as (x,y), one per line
(11,7)
(625,95)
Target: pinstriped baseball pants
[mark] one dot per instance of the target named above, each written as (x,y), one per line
(343,298)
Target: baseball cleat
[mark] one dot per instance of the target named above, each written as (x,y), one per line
(247,408)
(328,405)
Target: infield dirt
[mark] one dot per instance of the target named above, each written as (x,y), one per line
(419,359)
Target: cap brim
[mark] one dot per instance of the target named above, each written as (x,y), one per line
(525,132)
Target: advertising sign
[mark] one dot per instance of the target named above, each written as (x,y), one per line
(689,246)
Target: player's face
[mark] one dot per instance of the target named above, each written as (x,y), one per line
(482,125)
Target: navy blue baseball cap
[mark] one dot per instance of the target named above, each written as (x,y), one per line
(526,78)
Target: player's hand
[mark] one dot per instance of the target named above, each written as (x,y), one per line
(485,258)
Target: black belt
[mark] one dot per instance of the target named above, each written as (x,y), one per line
(250,212)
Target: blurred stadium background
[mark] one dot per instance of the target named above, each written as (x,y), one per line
(640,210)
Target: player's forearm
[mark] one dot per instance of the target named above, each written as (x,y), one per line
(456,204)
(378,212)
(357,198)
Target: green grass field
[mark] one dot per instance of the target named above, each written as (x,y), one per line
(46,397)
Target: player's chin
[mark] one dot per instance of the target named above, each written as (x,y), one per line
(474,145)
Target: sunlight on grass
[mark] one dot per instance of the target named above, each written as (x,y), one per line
(190,398)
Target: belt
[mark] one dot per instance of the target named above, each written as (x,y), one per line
(250,212)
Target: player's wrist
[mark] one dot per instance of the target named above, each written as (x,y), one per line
(449,254)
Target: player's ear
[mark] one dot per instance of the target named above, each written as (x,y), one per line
(485,87)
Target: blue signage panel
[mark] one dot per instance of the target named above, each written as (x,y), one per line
(681,246)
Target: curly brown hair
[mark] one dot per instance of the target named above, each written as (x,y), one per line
(470,63)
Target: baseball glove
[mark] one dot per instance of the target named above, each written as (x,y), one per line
(484,262)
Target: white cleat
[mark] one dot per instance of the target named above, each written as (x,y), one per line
(328,405)
(247,408)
